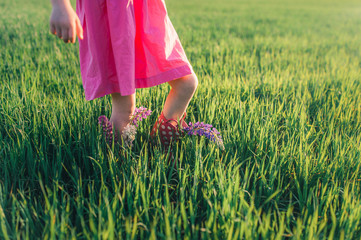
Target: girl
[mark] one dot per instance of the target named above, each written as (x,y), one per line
(124,45)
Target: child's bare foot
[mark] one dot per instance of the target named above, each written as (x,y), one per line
(122,110)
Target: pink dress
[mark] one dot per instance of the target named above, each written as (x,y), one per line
(127,44)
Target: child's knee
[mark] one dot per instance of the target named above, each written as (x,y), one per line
(188,84)
(193,82)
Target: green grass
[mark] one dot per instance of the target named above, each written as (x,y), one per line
(280,79)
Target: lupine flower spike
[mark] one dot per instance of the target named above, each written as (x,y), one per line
(206,130)
(140,114)
(107,129)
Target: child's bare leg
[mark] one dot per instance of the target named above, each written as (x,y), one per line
(122,109)
(179,96)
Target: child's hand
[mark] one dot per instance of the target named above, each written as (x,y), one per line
(65,23)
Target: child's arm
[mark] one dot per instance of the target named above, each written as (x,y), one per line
(64,22)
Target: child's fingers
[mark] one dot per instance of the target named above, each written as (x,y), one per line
(79,29)
(72,35)
(52,29)
(58,32)
(65,35)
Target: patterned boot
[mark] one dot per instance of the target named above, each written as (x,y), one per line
(168,131)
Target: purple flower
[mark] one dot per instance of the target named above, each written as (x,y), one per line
(140,114)
(206,130)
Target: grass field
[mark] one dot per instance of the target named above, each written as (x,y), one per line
(280,79)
